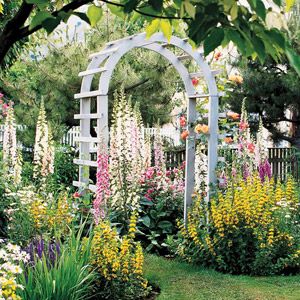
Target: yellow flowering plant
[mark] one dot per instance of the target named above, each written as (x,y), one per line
(119,262)
(252,228)
(52,215)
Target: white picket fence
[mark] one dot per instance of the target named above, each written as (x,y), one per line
(69,138)
(172,134)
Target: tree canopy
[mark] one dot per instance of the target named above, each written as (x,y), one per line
(255,29)
(54,78)
(271,90)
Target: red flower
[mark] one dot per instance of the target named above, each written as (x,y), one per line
(182,121)
(251,147)
(195,81)
(76,195)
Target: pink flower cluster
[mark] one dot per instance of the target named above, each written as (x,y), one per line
(154,181)
(102,184)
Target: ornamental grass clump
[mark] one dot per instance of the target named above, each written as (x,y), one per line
(60,273)
(253,228)
(119,262)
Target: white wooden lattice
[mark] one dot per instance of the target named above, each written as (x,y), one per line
(104,63)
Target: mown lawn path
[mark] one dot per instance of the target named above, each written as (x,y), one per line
(181,281)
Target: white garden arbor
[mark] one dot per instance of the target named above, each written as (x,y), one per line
(104,63)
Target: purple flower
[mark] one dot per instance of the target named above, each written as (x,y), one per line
(40,248)
(246,172)
(264,170)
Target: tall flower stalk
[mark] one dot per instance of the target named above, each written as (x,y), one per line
(159,156)
(102,183)
(12,159)
(43,159)
(126,154)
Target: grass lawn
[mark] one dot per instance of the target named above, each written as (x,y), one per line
(181,281)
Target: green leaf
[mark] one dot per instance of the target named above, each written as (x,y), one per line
(154,242)
(234,11)
(152,27)
(82,16)
(261,9)
(153,214)
(94,14)
(146,202)
(39,18)
(228,4)
(259,48)
(289,4)
(166,28)
(64,15)
(213,40)
(252,3)
(130,5)
(167,225)
(156,4)
(277,2)
(293,58)
(50,24)
(36,2)
(41,4)
(146,221)
(277,37)
(237,39)
(116,10)
(190,8)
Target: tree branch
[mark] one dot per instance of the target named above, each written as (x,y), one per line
(25,31)
(9,34)
(21,16)
(147,14)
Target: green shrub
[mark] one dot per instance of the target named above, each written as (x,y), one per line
(119,263)
(65,171)
(161,205)
(253,228)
